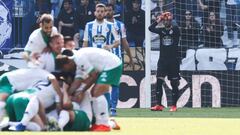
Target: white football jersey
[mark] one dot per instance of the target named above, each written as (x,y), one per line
(36,43)
(91,58)
(21,79)
(45,93)
(100,34)
(47,61)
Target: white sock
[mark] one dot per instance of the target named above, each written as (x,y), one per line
(100,109)
(13,123)
(86,106)
(31,110)
(63,119)
(2,110)
(33,126)
(112,124)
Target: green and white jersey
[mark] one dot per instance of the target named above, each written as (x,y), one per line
(47,61)
(36,42)
(100,34)
(22,79)
(45,93)
(88,59)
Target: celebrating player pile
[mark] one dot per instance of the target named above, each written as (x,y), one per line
(46,96)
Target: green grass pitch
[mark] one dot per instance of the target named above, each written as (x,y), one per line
(186,121)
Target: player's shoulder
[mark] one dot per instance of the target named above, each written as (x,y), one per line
(108,22)
(119,22)
(35,33)
(90,23)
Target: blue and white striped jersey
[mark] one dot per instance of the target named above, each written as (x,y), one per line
(121,30)
(100,34)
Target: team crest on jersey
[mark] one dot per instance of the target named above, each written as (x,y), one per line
(167,40)
(99,39)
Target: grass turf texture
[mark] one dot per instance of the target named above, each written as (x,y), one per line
(187,121)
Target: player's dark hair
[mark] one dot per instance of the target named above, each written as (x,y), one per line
(136,1)
(67,52)
(46,18)
(110,5)
(67,38)
(68,1)
(60,61)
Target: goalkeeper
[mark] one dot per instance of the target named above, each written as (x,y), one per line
(168,63)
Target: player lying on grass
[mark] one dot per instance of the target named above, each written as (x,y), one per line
(69,120)
(44,96)
(15,107)
(22,79)
(97,66)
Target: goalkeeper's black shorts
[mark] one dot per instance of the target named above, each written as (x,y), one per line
(169,68)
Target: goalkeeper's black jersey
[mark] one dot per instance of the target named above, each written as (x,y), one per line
(169,39)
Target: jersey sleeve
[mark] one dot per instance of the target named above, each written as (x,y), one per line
(123,31)
(85,37)
(30,45)
(84,68)
(114,33)
(42,60)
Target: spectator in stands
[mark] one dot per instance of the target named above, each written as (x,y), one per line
(135,23)
(158,10)
(118,8)
(212,32)
(210,6)
(55,10)
(66,19)
(44,6)
(180,8)
(168,62)
(95,2)
(231,20)
(84,14)
(190,31)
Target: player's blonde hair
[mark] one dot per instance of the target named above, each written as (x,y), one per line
(55,36)
(46,18)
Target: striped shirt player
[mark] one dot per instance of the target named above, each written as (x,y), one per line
(100,34)
(121,30)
